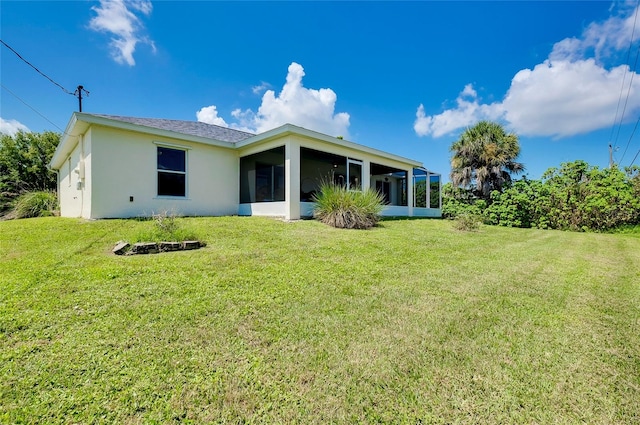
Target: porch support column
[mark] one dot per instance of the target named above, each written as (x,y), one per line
(428,190)
(410,191)
(366,175)
(440,193)
(292,179)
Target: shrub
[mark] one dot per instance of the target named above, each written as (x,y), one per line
(165,222)
(457,201)
(348,209)
(166,228)
(41,203)
(23,165)
(589,198)
(467,222)
(524,203)
(575,196)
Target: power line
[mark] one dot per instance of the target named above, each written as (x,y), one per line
(634,158)
(625,106)
(77,93)
(33,109)
(32,66)
(633,30)
(630,137)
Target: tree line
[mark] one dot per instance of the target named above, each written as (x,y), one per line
(574,196)
(24,166)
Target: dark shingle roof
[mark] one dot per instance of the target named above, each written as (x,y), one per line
(193,128)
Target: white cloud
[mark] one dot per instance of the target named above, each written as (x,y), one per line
(565,98)
(117,18)
(209,115)
(468,111)
(599,39)
(260,88)
(244,120)
(11,127)
(572,92)
(295,104)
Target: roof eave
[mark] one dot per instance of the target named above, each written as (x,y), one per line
(79,123)
(79,118)
(288,129)
(97,120)
(67,142)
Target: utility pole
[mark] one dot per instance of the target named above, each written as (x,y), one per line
(78,93)
(610,154)
(611,162)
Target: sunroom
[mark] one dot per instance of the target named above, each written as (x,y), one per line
(264,186)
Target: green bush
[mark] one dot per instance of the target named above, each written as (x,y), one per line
(348,209)
(583,197)
(457,201)
(524,203)
(575,196)
(166,228)
(24,160)
(42,203)
(467,222)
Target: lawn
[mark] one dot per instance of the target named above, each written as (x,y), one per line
(275,322)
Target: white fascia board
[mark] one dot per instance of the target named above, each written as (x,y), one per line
(288,129)
(67,142)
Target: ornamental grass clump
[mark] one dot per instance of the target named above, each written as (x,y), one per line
(42,203)
(347,209)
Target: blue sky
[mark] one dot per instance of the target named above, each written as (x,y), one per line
(404,77)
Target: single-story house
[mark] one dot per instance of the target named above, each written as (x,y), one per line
(115,167)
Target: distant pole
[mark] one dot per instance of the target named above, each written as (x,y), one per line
(611,163)
(79,91)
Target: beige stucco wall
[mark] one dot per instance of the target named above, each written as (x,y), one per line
(344,151)
(74,179)
(69,193)
(269,209)
(128,168)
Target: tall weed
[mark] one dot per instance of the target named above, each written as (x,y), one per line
(166,227)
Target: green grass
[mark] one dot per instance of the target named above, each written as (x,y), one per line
(275,322)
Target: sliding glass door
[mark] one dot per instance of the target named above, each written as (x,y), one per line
(354,174)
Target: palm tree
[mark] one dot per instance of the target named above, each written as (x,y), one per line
(484,158)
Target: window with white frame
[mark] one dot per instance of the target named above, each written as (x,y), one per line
(172,171)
